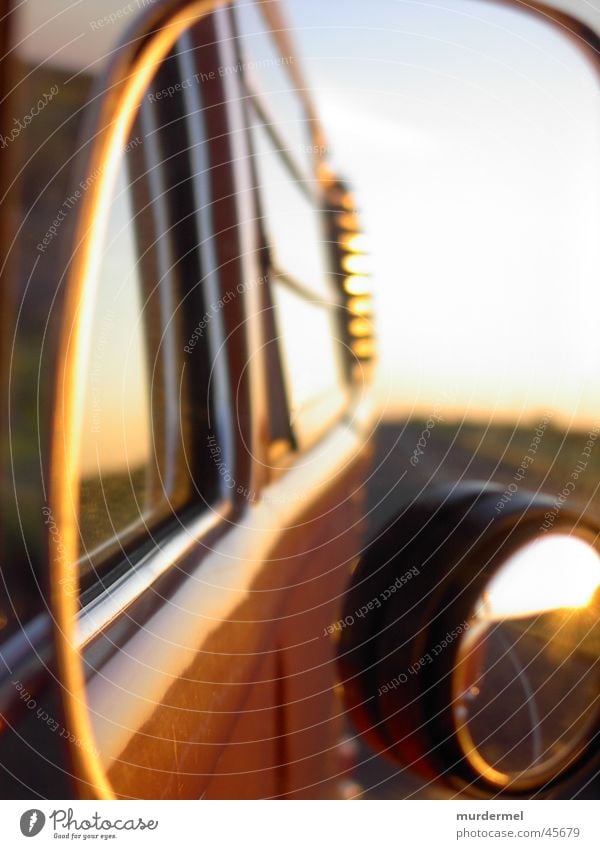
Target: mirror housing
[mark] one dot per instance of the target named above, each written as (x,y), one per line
(411,600)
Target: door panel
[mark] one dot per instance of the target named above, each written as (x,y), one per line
(251,765)
(322,551)
(179,689)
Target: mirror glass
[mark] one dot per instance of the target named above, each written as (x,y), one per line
(526,688)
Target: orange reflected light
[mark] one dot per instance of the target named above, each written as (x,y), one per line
(360,327)
(348,221)
(357,264)
(354,242)
(348,201)
(325,174)
(357,285)
(360,306)
(364,348)
(345,200)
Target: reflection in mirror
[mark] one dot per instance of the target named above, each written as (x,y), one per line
(526,682)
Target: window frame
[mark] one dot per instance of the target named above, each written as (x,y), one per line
(129,548)
(320,414)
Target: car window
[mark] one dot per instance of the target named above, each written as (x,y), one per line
(116,437)
(143,446)
(269,71)
(305,296)
(292,218)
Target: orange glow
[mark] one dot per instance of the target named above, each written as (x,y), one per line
(360,306)
(357,285)
(357,264)
(348,221)
(325,174)
(364,348)
(354,242)
(361,327)
(345,200)
(348,201)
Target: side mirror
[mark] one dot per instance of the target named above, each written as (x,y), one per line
(470,638)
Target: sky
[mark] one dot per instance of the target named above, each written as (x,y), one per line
(470,132)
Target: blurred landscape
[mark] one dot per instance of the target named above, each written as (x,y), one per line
(470,450)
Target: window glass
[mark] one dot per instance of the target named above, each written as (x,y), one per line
(310,350)
(116,438)
(292,220)
(144,449)
(268,73)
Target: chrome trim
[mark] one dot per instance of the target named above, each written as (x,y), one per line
(249,248)
(103,609)
(333,301)
(121,536)
(306,182)
(164,254)
(202,189)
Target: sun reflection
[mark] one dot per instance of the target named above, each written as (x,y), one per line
(354,242)
(357,264)
(360,306)
(553,572)
(357,285)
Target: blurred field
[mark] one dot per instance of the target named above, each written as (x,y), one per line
(472,451)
